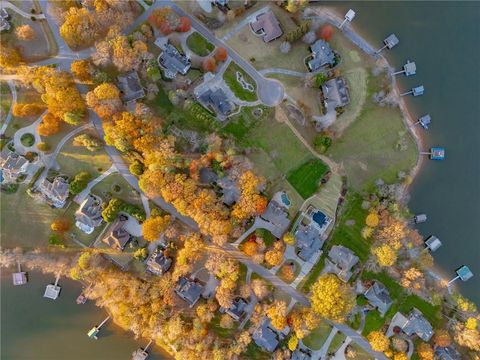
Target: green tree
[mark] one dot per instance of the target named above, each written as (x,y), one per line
(141,254)
(136,168)
(79,182)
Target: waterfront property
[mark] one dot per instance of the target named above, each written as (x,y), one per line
(52,291)
(89,215)
(432,243)
(130,87)
(54,192)
(409,69)
(340,261)
(420,218)
(322,55)
(12,165)
(267,26)
(117,237)
(189,290)
(414,324)
(416,91)
(425,121)
(335,93)
(158,263)
(173,62)
(390,42)
(379,297)
(277,215)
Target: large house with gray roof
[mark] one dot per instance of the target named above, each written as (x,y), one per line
(173,62)
(277,215)
(322,55)
(340,261)
(217,101)
(158,262)
(414,324)
(238,308)
(267,26)
(189,290)
(447,353)
(13,165)
(117,237)
(54,192)
(130,87)
(230,190)
(89,215)
(335,93)
(266,337)
(308,241)
(379,297)
(301,353)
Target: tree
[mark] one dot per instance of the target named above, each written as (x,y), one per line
(82,70)
(372,220)
(141,254)
(226,321)
(91,142)
(326,32)
(319,80)
(105,100)
(26,109)
(184,25)
(413,278)
(209,65)
(25,33)
(221,54)
(49,125)
(379,341)
(164,19)
(385,255)
(79,27)
(470,338)
(9,56)
(295,5)
(79,182)
(289,239)
(400,356)
(60,225)
(260,288)
(425,351)
(111,211)
(442,338)
(43,146)
(331,298)
(154,226)
(274,256)
(285,47)
(292,343)
(250,247)
(136,168)
(471,323)
(72,118)
(309,38)
(277,313)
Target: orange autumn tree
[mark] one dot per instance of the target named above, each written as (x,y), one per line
(154,226)
(60,225)
(49,125)
(164,19)
(25,109)
(326,32)
(82,70)
(209,65)
(221,54)
(184,24)
(251,203)
(105,100)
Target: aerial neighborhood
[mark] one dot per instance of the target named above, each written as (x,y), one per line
(207,169)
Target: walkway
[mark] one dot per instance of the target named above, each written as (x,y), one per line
(259,223)
(83,195)
(340,354)
(9,5)
(13,90)
(245,22)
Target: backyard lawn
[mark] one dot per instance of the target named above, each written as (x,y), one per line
(5,100)
(337,341)
(230,77)
(305,179)
(318,336)
(199,45)
(108,188)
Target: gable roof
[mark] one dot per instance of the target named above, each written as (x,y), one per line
(218,100)
(173,61)
(265,337)
(322,55)
(12,163)
(57,191)
(335,92)
(379,297)
(158,263)
(269,25)
(117,237)
(130,86)
(308,241)
(89,213)
(340,261)
(238,308)
(278,216)
(417,324)
(230,190)
(189,290)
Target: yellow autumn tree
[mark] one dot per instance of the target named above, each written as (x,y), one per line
(292,343)
(154,226)
(379,341)
(471,323)
(400,356)
(289,239)
(385,255)
(331,298)
(425,351)
(277,313)
(372,220)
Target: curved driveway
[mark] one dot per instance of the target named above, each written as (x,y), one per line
(13,90)
(9,5)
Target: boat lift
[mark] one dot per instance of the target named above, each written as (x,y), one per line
(141,353)
(409,69)
(390,42)
(420,218)
(92,334)
(416,91)
(435,153)
(52,291)
(463,273)
(424,121)
(349,16)
(20,277)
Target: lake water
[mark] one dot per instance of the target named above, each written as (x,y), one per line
(442,38)
(36,328)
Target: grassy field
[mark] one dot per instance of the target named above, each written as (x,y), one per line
(105,188)
(318,336)
(73,159)
(305,179)
(199,45)
(373,322)
(230,77)
(5,100)
(327,196)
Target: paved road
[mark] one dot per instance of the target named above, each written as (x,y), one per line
(9,5)
(13,90)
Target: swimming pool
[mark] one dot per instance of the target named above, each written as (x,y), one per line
(285,199)
(320,218)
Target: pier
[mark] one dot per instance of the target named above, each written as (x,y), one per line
(435,153)
(424,121)
(19,277)
(349,16)
(141,353)
(52,291)
(432,243)
(390,42)
(463,273)
(96,329)
(420,218)
(409,69)
(416,91)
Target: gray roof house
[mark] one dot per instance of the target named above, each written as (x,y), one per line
(129,85)
(173,62)
(189,290)
(335,93)
(55,192)
(340,261)
(322,55)
(158,263)
(230,190)
(237,309)
(117,237)
(268,26)
(301,354)
(277,215)
(217,101)
(13,165)
(417,324)
(266,337)
(379,297)
(4,16)
(447,353)
(308,241)
(89,215)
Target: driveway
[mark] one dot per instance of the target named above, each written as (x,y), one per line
(13,90)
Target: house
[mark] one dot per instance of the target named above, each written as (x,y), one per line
(117,237)
(238,308)
(335,93)
(379,297)
(230,190)
(447,353)
(267,25)
(89,215)
(12,165)
(173,62)
(207,176)
(55,192)
(217,101)
(266,337)
(277,215)
(130,87)
(340,261)
(322,55)
(307,241)
(158,262)
(301,354)
(417,324)
(189,290)
(4,16)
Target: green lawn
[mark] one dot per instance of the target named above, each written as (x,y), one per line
(5,99)
(199,45)
(306,178)
(214,325)
(337,341)
(106,189)
(318,336)
(230,77)
(254,352)
(266,235)
(373,321)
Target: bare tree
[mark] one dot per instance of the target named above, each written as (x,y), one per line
(309,37)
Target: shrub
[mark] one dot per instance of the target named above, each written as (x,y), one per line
(43,146)
(79,183)
(27,140)
(136,168)
(322,143)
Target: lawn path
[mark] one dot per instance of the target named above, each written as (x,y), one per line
(9,5)
(81,196)
(11,85)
